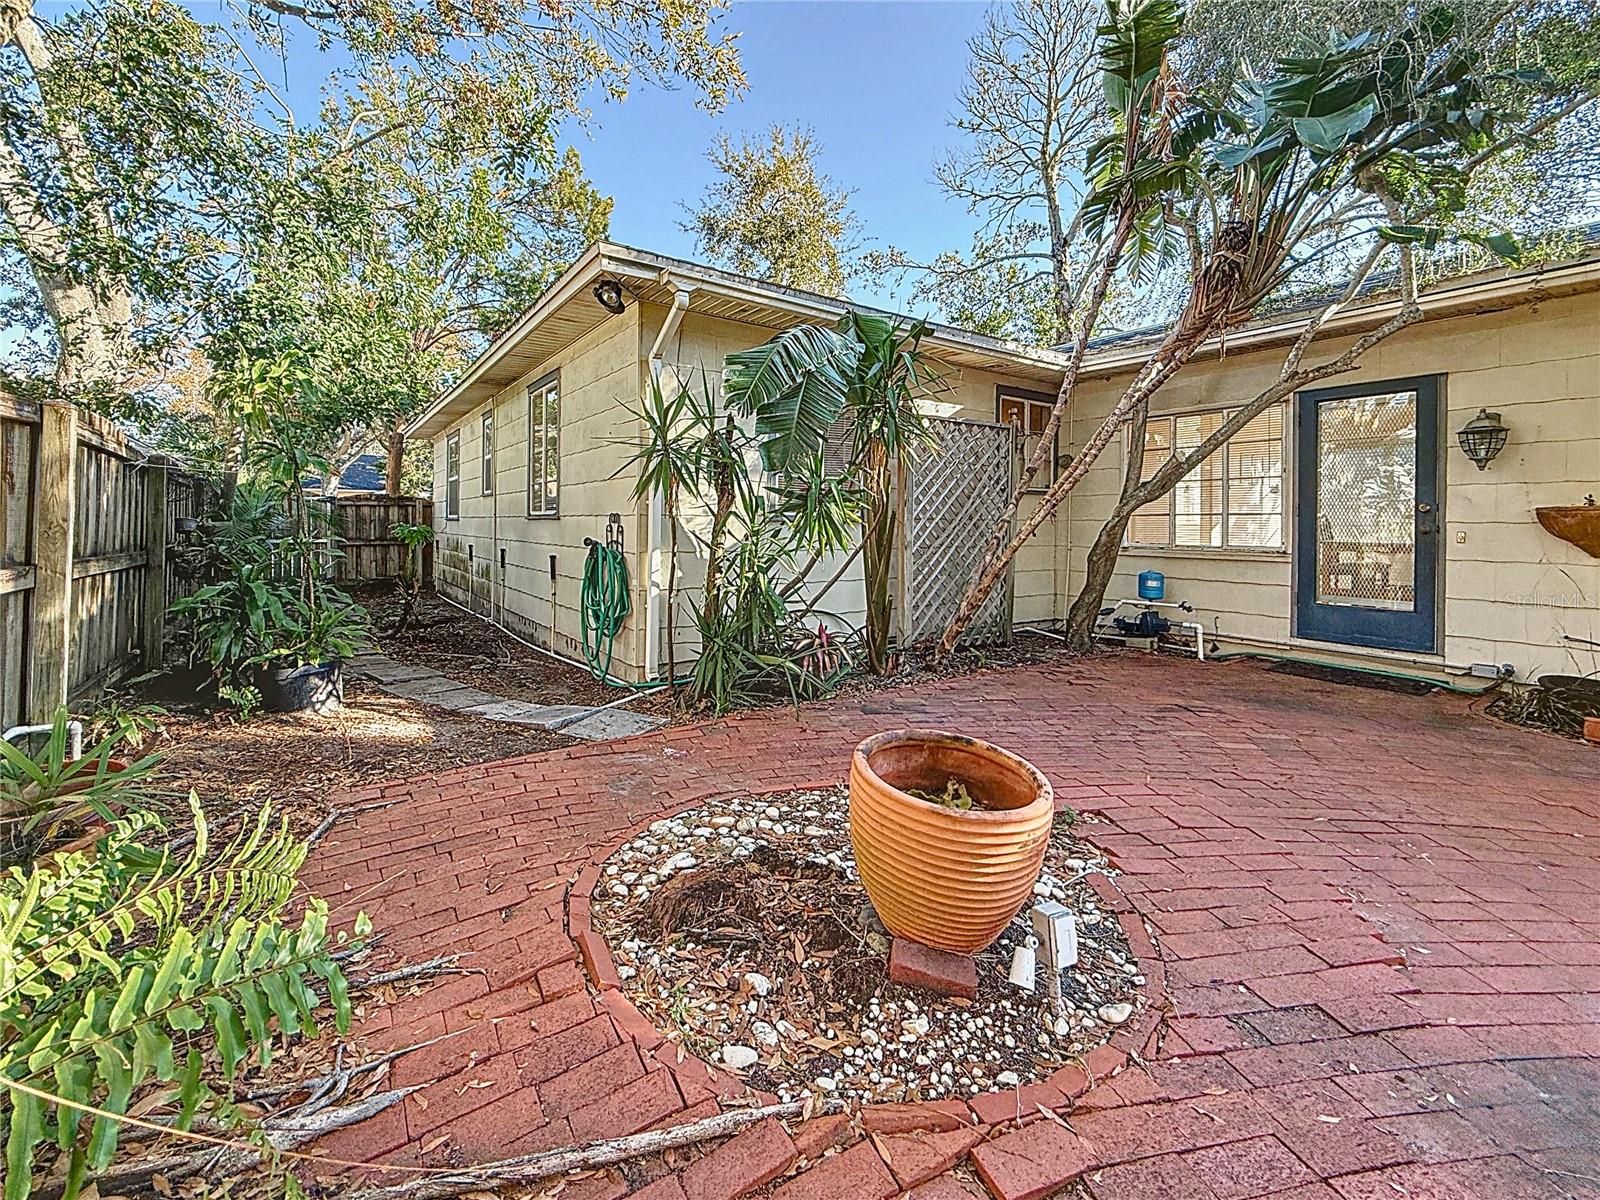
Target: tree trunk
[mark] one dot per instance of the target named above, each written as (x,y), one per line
(877,563)
(1101,566)
(394,460)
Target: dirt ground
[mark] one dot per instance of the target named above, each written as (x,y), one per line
(302,761)
(468,649)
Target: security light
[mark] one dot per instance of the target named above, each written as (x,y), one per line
(608,292)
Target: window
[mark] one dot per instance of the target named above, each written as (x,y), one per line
(544,447)
(452,476)
(1233,500)
(1029,413)
(488,453)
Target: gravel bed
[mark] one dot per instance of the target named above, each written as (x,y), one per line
(741,930)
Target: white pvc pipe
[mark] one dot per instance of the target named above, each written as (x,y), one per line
(571,662)
(74,736)
(654,585)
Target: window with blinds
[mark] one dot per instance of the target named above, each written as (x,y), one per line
(452,476)
(1232,500)
(544,447)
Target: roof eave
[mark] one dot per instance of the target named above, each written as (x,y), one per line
(1453,298)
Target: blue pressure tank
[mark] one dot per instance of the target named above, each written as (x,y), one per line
(1152,585)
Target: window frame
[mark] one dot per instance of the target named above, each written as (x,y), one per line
(1028,396)
(543,384)
(1172,545)
(452,482)
(486,453)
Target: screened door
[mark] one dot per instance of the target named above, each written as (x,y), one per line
(1367,530)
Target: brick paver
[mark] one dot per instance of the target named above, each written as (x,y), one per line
(1376,916)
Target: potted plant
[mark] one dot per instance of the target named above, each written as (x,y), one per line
(274,630)
(949,834)
(264,633)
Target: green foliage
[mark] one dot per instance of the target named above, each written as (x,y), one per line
(772,214)
(754,646)
(48,794)
(117,718)
(254,619)
(131,964)
(868,372)
(268,605)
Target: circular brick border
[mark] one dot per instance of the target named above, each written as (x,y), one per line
(1139,1040)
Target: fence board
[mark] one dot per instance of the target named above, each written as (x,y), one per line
(19,426)
(84,560)
(362,527)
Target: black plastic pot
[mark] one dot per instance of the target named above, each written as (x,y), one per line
(315,687)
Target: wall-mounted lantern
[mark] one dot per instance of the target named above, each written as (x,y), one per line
(608,292)
(1483,437)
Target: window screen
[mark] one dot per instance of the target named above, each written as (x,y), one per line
(452,476)
(488,454)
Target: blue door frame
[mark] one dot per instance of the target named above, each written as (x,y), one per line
(1352,623)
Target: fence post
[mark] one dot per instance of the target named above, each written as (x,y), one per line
(55,524)
(424,516)
(153,640)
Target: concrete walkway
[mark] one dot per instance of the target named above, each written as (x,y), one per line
(1375,916)
(428,686)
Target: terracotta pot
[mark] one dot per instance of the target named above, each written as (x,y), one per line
(1575,523)
(948,878)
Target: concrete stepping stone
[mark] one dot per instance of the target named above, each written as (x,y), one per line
(613,723)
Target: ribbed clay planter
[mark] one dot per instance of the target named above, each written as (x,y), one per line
(948,878)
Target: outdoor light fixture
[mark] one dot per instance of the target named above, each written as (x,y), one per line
(608,292)
(1483,437)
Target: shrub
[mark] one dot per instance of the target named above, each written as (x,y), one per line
(133,963)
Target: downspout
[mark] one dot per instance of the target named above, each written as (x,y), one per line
(655,570)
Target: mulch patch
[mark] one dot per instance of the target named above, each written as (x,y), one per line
(740,929)
(465,647)
(300,762)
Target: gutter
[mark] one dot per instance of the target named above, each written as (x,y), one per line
(682,294)
(1462,298)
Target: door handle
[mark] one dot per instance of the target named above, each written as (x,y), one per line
(1423,530)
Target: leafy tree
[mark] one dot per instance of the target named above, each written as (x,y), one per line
(1030,109)
(1371,141)
(772,214)
(151,176)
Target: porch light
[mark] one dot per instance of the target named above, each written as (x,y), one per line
(608,292)
(1483,437)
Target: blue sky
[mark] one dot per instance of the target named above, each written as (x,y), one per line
(877,81)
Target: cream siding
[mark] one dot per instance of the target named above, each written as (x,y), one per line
(599,381)
(1510,589)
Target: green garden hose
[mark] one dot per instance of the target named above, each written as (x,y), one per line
(606,606)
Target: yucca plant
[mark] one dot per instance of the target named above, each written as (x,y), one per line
(130,965)
(868,371)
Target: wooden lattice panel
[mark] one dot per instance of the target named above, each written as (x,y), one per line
(956,491)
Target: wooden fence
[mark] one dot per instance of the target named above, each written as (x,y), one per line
(92,527)
(369,550)
(83,572)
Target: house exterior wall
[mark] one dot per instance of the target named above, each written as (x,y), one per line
(701,343)
(599,380)
(1510,590)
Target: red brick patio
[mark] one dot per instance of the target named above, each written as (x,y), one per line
(1378,920)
